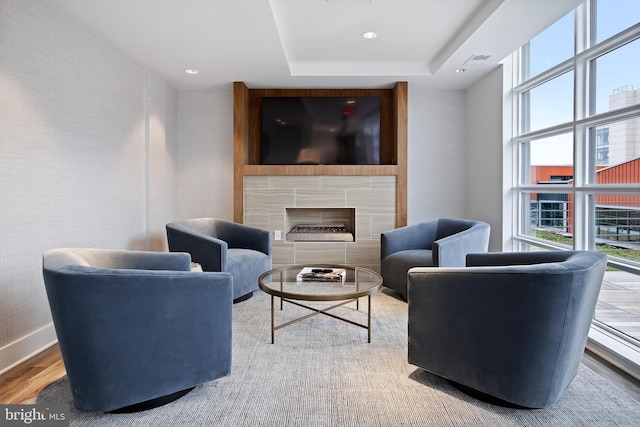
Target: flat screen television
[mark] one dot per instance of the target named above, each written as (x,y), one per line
(320,130)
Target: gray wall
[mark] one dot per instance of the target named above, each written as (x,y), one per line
(484,153)
(88,143)
(99,152)
(436,155)
(205,153)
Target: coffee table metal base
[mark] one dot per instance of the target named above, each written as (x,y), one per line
(317,311)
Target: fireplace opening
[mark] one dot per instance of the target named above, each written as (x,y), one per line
(320,224)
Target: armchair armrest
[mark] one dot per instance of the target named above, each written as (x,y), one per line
(114,258)
(415,236)
(209,252)
(148,285)
(152,261)
(515,258)
(451,251)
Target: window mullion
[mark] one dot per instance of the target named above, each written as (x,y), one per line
(583,88)
(583,80)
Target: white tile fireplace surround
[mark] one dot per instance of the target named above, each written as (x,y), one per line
(373,199)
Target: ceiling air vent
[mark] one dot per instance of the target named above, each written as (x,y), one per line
(476,60)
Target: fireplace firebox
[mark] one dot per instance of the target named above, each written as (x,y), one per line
(320,224)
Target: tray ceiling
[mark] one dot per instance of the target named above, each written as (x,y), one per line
(315,43)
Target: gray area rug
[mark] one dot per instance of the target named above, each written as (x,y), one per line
(322,372)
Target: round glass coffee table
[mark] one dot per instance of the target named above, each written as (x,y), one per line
(320,282)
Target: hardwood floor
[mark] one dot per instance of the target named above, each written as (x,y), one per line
(24,382)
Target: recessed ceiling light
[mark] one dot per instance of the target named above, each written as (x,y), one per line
(369,35)
(459,70)
(190,71)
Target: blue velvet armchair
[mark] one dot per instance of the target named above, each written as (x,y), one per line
(511,326)
(443,242)
(137,329)
(218,245)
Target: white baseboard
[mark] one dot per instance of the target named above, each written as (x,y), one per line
(26,347)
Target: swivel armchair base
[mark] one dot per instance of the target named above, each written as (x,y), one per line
(152,403)
(484,397)
(243,297)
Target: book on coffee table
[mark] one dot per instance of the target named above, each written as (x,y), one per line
(319,274)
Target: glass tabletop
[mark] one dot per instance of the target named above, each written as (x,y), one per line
(320,282)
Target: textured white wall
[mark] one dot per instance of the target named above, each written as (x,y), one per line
(484,154)
(161,160)
(436,150)
(205,153)
(78,122)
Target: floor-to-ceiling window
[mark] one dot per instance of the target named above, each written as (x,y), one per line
(577,139)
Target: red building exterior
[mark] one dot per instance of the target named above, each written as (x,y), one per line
(617,216)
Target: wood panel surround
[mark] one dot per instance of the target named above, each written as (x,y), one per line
(250,176)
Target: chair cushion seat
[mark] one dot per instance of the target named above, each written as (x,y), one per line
(394,267)
(246,265)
